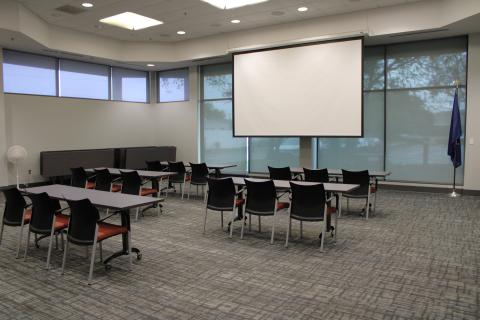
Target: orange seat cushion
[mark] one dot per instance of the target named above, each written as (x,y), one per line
(239,202)
(188,178)
(28,216)
(148,191)
(90,185)
(373,189)
(61,221)
(331,210)
(282,205)
(116,187)
(107,230)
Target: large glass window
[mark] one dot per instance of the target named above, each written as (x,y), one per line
(367,152)
(217,142)
(420,94)
(84,80)
(173,85)
(29,74)
(129,85)
(274,152)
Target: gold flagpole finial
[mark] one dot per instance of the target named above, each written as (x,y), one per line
(456,83)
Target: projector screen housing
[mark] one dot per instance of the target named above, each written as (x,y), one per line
(303,90)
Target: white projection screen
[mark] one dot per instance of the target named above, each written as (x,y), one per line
(303,90)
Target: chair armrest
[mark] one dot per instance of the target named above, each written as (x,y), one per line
(107,217)
(27,205)
(297,177)
(117,179)
(92,176)
(330,199)
(145,181)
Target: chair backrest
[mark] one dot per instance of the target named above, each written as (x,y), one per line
(361,178)
(79,177)
(221,194)
(14,206)
(83,221)
(103,180)
(155,165)
(179,168)
(308,201)
(261,196)
(319,175)
(43,211)
(282,173)
(131,182)
(199,172)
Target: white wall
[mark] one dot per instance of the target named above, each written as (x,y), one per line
(472,151)
(3,132)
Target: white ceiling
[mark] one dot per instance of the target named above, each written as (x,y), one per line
(195,17)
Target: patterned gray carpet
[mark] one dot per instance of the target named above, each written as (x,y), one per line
(418,257)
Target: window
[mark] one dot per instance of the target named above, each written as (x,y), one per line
(173,85)
(367,152)
(129,85)
(217,142)
(274,152)
(419,100)
(84,80)
(29,74)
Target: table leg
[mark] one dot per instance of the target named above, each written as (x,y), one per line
(218,173)
(125,217)
(339,212)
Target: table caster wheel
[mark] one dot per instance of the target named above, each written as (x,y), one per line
(139,256)
(108,267)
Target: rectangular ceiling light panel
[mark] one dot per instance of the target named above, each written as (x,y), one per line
(131,21)
(232,4)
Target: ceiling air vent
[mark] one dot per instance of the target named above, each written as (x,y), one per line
(70,9)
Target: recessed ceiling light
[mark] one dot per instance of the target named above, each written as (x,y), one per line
(131,21)
(231,4)
(87,4)
(302,9)
(235,21)
(181,32)
(150,65)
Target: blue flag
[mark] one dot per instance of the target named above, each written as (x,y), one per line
(454,147)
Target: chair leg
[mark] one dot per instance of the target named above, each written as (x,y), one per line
(52,234)
(301,229)
(324,233)
(92,262)
(221,218)
(205,192)
(182,188)
(26,246)
(250,222)
(63,240)
(273,226)
(189,190)
(288,231)
(205,221)
(101,251)
(231,223)
(20,236)
(348,205)
(136,214)
(64,261)
(367,210)
(1,232)
(259,224)
(243,222)
(374,202)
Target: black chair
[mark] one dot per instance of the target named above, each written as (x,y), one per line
(86,229)
(283,173)
(262,200)
(80,179)
(104,181)
(132,184)
(47,220)
(198,177)
(17,213)
(181,177)
(316,175)
(365,190)
(309,203)
(222,196)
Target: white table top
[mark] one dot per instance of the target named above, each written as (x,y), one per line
(338,172)
(141,173)
(111,200)
(284,184)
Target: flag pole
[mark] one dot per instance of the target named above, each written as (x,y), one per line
(454,193)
